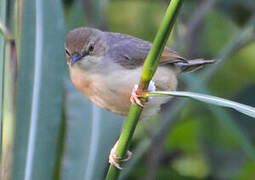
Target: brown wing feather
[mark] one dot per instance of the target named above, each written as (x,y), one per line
(169,56)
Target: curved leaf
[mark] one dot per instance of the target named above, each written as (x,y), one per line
(245,109)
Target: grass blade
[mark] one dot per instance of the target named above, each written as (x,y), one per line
(224,118)
(24,91)
(88,142)
(245,109)
(39,106)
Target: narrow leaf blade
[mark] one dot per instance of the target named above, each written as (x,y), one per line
(245,109)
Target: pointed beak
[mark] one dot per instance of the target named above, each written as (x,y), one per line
(75,57)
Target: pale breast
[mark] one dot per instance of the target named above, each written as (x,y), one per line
(112,91)
(102,91)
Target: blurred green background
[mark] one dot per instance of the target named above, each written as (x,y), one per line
(51,131)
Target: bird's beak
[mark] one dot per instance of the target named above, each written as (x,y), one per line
(75,57)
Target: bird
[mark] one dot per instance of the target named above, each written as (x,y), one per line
(106,68)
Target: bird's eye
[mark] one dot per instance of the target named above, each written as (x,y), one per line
(67,52)
(91,48)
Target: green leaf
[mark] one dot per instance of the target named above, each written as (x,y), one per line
(24,90)
(245,109)
(40,91)
(91,132)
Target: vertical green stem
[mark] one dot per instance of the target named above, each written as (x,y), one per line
(2,55)
(152,60)
(149,68)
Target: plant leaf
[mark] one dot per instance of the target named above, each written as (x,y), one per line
(245,109)
(90,134)
(39,125)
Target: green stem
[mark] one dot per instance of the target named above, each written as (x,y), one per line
(3,7)
(149,68)
(125,137)
(163,129)
(152,60)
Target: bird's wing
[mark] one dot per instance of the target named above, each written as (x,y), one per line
(169,56)
(131,52)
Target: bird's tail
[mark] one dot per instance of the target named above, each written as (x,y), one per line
(192,65)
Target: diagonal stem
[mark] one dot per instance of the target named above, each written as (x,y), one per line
(149,68)
(244,37)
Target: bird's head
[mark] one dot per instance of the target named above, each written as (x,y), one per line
(84,47)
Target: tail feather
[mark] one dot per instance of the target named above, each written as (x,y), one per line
(192,65)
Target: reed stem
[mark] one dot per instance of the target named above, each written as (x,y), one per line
(149,68)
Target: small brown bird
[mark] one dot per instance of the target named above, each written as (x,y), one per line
(106,66)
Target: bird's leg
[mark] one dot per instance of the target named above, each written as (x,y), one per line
(135,96)
(113,158)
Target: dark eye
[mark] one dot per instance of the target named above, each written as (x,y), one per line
(91,48)
(67,52)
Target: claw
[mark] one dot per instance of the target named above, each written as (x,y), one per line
(135,98)
(113,157)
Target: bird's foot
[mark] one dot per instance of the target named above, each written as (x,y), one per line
(135,98)
(113,158)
